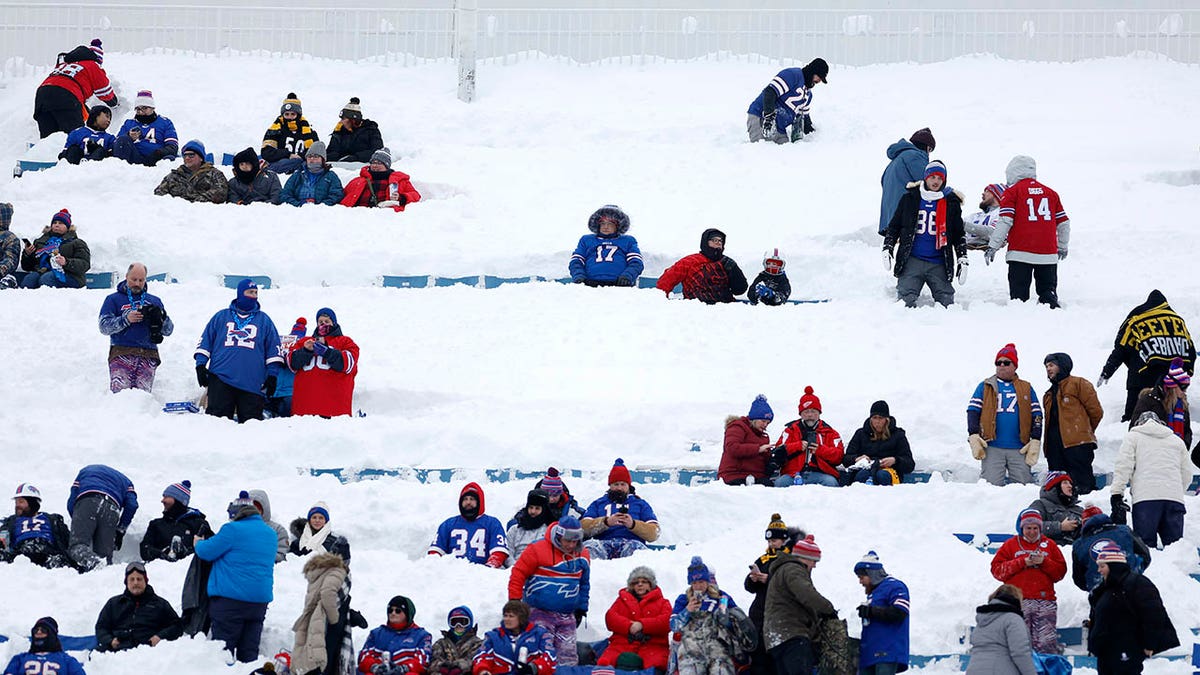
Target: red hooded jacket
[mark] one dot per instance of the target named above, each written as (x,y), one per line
(357,190)
(654,612)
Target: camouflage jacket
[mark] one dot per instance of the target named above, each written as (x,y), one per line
(448,654)
(205,184)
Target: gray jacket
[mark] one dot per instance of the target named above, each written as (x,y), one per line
(265,187)
(1000,641)
(1050,505)
(260,498)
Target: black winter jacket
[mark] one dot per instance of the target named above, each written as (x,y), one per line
(895,446)
(74,249)
(156,544)
(135,619)
(1128,617)
(357,145)
(776,282)
(903,228)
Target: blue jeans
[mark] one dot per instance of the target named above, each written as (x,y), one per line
(127,149)
(807,478)
(49,280)
(879,477)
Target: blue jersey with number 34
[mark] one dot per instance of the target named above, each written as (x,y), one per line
(474,540)
(49,663)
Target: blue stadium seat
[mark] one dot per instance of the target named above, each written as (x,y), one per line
(442,282)
(231,280)
(391,281)
(100,279)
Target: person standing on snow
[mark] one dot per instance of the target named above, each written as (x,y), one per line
(885,618)
(1148,340)
(785,102)
(1033,563)
(136,323)
(933,249)
(1037,230)
(1004,423)
(907,164)
(1072,412)
(325,366)
(61,101)
(238,357)
(553,576)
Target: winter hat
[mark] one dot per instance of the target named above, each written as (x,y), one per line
(776,529)
(180,492)
(317,149)
(63,216)
(50,643)
(609,212)
(809,400)
(135,566)
(807,548)
(383,156)
(1176,376)
(235,506)
(923,138)
(567,528)
(1110,553)
(935,167)
(1027,517)
(460,612)
(760,409)
(996,190)
(869,562)
(1008,351)
(325,311)
(537,497)
(291,104)
(321,508)
(619,473)
(817,67)
(629,661)
(352,111)
(697,570)
(552,484)
(410,610)
(97,48)
(194,146)
(1054,478)
(300,327)
(6,214)
(642,572)
(519,608)
(244,302)
(880,408)
(144,98)
(1091,510)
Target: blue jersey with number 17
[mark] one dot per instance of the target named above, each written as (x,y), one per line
(793,96)
(474,540)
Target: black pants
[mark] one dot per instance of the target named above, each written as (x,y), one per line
(239,625)
(225,400)
(1131,399)
(1045,278)
(56,109)
(794,657)
(1076,461)
(1111,664)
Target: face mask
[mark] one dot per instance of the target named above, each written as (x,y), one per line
(246,303)
(324,330)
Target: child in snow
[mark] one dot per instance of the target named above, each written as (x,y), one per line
(771,286)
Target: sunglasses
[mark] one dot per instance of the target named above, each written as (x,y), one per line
(395,610)
(1004,362)
(189,153)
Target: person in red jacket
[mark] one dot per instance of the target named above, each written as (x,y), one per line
(809,449)
(709,276)
(747,446)
(1034,563)
(640,621)
(378,185)
(325,366)
(61,101)
(1036,227)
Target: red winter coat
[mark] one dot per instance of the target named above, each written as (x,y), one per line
(703,279)
(84,79)
(1036,583)
(741,457)
(654,611)
(825,457)
(320,390)
(357,188)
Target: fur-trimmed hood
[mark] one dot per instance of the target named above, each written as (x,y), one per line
(319,563)
(730,419)
(297,526)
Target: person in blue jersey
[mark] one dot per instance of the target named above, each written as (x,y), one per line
(553,576)
(242,580)
(932,250)
(170,537)
(619,523)
(45,655)
(472,534)
(907,160)
(102,503)
(883,649)
(238,357)
(92,140)
(148,137)
(135,323)
(784,103)
(517,647)
(41,537)
(400,646)
(608,256)
(1004,423)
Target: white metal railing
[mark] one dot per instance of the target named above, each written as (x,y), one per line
(31,35)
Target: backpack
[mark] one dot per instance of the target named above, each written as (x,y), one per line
(742,636)
(836,652)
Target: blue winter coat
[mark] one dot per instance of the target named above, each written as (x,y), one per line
(326,187)
(639,509)
(243,558)
(1100,528)
(907,165)
(107,481)
(882,641)
(122,333)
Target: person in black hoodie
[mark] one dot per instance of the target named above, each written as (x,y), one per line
(171,537)
(771,286)
(1147,340)
(137,616)
(354,139)
(932,248)
(879,451)
(1128,621)
(708,276)
(252,182)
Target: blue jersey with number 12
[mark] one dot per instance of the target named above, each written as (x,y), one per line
(474,540)
(240,349)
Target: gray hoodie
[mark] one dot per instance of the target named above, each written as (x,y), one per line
(1019,168)
(262,501)
(1000,642)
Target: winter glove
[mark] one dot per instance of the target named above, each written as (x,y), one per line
(889,259)
(319,348)
(978,446)
(1118,509)
(118,539)
(202,375)
(356,619)
(402,199)
(961,272)
(578,280)
(579,614)
(768,124)
(989,255)
(864,611)
(808,125)
(1102,380)
(1062,254)
(269,386)
(524,669)
(1032,451)
(624,281)
(764,291)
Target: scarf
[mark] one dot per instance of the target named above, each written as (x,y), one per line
(939,214)
(1176,420)
(310,541)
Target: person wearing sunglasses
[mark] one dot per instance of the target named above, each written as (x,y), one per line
(148,137)
(398,647)
(1004,423)
(197,180)
(453,653)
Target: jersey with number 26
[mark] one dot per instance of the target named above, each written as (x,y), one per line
(474,540)
(48,663)
(1036,214)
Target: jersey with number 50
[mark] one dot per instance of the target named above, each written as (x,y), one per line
(474,540)
(793,95)
(240,349)
(599,258)
(1040,227)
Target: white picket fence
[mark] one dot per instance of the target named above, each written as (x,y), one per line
(32,35)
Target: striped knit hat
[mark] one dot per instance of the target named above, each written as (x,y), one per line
(291,104)
(63,216)
(1110,553)
(869,562)
(97,48)
(552,484)
(776,529)
(935,166)
(996,190)
(145,98)
(180,492)
(1029,516)
(1177,376)
(807,548)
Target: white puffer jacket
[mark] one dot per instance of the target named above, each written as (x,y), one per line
(1154,462)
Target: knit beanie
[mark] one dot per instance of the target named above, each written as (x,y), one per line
(291,104)
(809,400)
(642,572)
(776,529)
(321,508)
(630,661)
(923,138)
(698,571)
(935,167)
(317,149)
(235,506)
(1089,511)
(1008,351)
(760,409)
(1055,478)
(996,190)
(383,156)
(1110,553)
(1176,376)
(325,311)
(410,610)
(145,98)
(1029,517)
(194,146)
(300,327)
(880,408)
(352,111)
(552,484)
(97,48)
(619,473)
(63,216)
(868,562)
(180,492)
(807,548)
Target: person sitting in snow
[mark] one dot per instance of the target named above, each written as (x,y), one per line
(771,286)
(561,501)
(10,249)
(314,534)
(640,621)
(288,139)
(517,647)
(878,451)
(251,182)
(197,180)
(472,534)
(980,225)
(785,102)
(354,139)
(619,523)
(708,276)
(398,647)
(170,537)
(529,524)
(453,653)
(608,256)
(136,617)
(553,576)
(45,653)
(378,185)
(1062,514)
(92,140)
(809,449)
(148,137)
(42,537)
(316,183)
(58,258)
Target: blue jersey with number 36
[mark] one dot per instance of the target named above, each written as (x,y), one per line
(49,663)
(474,540)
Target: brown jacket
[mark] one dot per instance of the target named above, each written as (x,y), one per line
(1025,398)
(1079,411)
(325,573)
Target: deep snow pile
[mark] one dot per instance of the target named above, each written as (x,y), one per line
(533,375)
